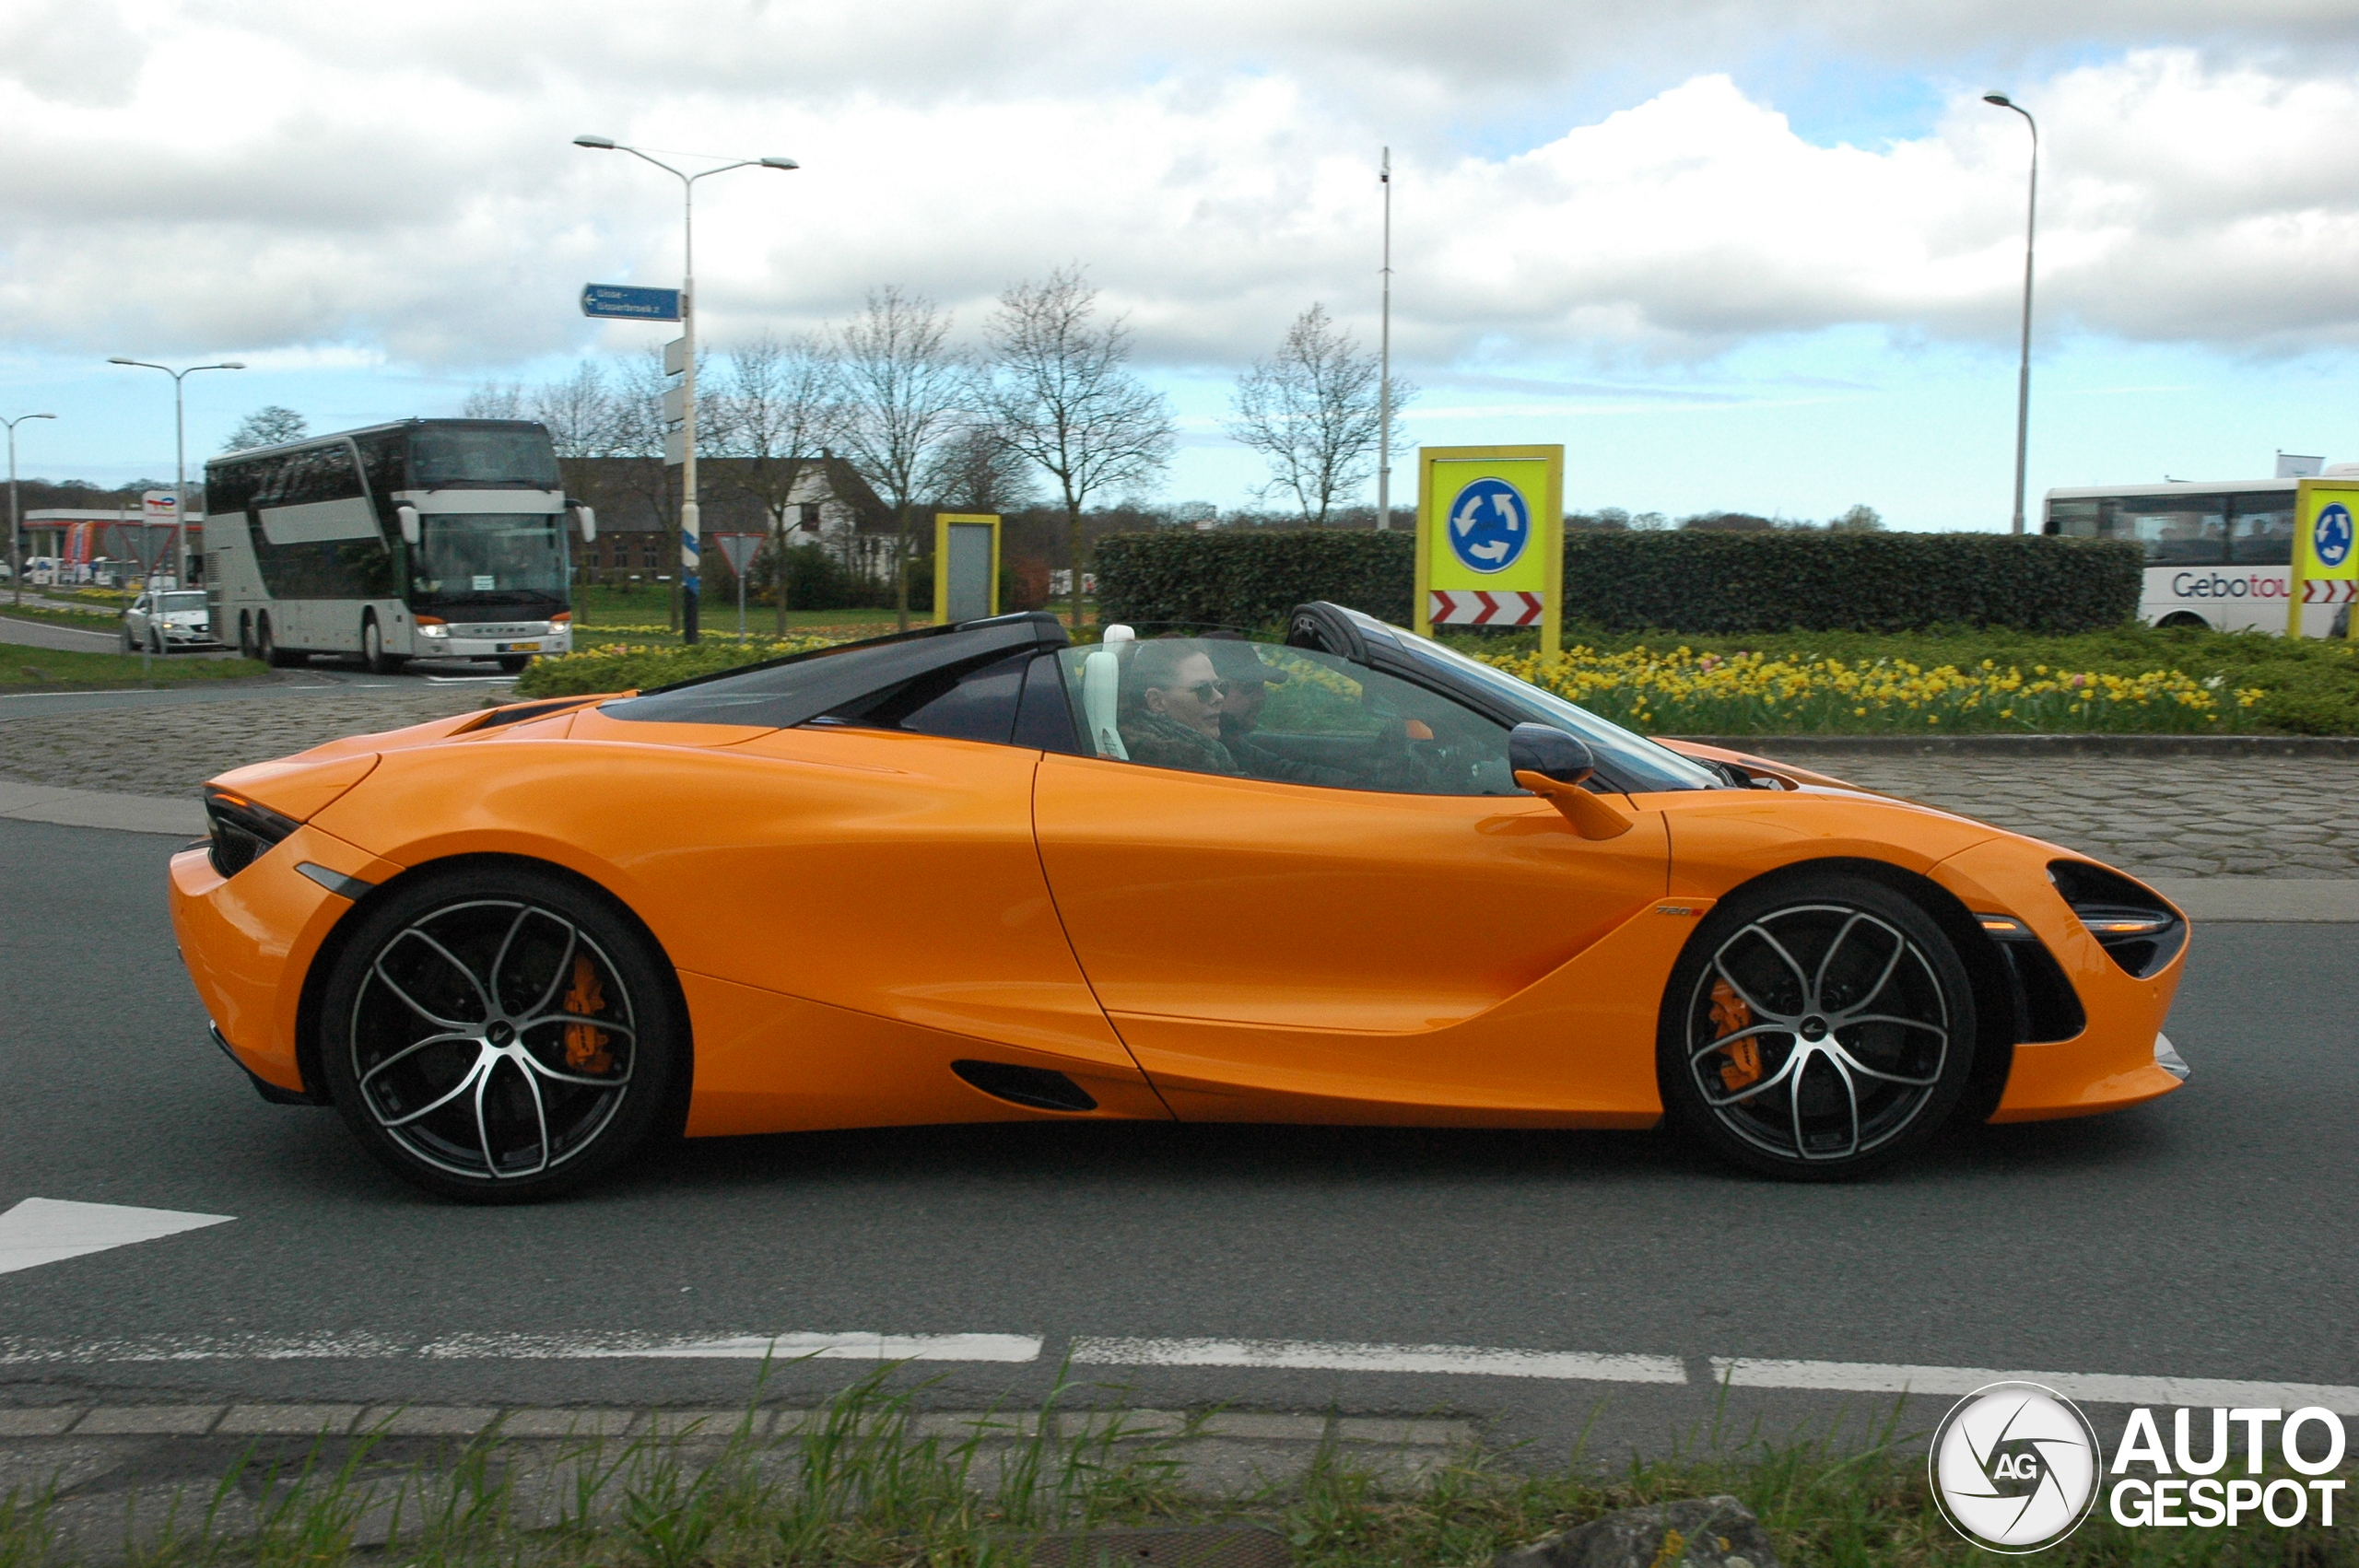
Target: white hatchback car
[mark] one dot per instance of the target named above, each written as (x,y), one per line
(171,621)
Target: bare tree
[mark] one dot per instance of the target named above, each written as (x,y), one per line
(494,399)
(906,392)
(578,412)
(267,426)
(1060,393)
(1313,411)
(781,407)
(977,471)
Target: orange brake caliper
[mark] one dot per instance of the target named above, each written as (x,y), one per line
(585,1047)
(1730,1014)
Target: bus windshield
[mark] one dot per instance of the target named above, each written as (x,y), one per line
(443,456)
(492,559)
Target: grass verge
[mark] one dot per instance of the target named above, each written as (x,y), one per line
(47,669)
(862,1483)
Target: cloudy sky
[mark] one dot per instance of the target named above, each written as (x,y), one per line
(1756,254)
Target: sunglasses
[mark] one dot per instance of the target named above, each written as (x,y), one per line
(1203,691)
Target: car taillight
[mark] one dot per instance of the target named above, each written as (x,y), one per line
(2130,922)
(241,829)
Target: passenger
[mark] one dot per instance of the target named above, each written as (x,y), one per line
(1174,719)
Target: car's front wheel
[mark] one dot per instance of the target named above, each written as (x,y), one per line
(500,1035)
(1816,1029)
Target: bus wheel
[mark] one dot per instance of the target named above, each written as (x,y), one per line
(277,658)
(513,663)
(2183,619)
(372,649)
(245,636)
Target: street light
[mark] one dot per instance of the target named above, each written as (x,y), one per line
(179,453)
(691,520)
(15,513)
(2022,375)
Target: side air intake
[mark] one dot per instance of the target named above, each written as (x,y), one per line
(1035,1087)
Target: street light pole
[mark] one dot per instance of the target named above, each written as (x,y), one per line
(15,512)
(179,455)
(2022,373)
(691,514)
(1384,362)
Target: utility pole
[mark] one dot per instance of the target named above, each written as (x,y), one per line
(2022,373)
(1384,362)
(179,455)
(691,517)
(15,512)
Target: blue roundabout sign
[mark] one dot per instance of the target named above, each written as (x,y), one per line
(2331,535)
(1489,525)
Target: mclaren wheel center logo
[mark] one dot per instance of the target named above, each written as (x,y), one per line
(2016,1466)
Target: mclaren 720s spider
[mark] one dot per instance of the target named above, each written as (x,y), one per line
(974,873)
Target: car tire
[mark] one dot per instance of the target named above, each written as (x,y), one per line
(156,643)
(266,644)
(372,649)
(553,1046)
(130,643)
(1858,1014)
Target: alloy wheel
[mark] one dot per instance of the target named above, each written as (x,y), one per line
(492,1039)
(1818,1032)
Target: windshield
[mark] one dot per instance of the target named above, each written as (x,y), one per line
(439,457)
(1643,765)
(181,604)
(492,559)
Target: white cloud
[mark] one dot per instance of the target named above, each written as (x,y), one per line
(284,175)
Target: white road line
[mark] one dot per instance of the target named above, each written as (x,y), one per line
(23,1350)
(2094,1387)
(1474,1359)
(49,1230)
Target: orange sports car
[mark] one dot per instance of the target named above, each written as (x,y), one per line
(974,873)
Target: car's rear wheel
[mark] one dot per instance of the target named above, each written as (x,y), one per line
(1816,1029)
(498,1036)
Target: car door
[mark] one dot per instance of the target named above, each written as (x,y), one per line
(1298,946)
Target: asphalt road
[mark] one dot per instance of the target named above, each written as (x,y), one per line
(2207,1235)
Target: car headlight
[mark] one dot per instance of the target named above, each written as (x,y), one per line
(241,829)
(2130,922)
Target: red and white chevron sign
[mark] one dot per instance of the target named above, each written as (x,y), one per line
(1473,607)
(2335,591)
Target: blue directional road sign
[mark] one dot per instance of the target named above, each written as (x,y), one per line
(619,299)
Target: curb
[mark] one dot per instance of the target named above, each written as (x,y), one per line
(2316,748)
(182,817)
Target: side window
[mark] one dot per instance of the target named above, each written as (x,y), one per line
(1287,715)
(2264,531)
(2177,530)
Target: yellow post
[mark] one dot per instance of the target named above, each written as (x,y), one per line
(1490,539)
(960,550)
(2324,541)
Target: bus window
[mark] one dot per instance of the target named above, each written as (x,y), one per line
(2074,520)
(2262,535)
(2176,531)
(450,456)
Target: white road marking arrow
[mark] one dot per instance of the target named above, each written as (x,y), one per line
(49,1230)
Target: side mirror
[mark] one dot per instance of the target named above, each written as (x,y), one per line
(407,517)
(588,517)
(1552,765)
(1550,753)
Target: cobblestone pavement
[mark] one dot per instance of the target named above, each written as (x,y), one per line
(171,751)
(2166,817)
(2152,816)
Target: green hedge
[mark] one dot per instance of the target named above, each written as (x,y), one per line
(1689,581)
(1698,582)
(1251,579)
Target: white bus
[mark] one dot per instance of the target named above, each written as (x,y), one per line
(429,538)
(2217,555)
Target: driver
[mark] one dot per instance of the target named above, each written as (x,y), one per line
(1174,719)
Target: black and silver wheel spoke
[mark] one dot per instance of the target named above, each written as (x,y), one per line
(1864,1041)
(474,1096)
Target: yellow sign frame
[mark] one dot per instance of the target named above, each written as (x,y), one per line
(2310,497)
(943,523)
(1547,512)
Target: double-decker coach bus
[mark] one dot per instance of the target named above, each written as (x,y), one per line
(2217,555)
(428,538)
